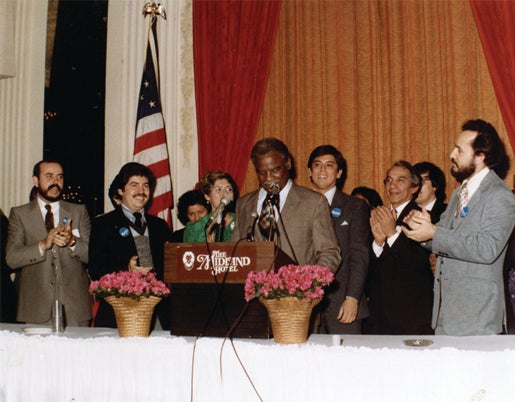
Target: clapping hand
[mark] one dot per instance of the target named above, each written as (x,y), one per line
(382,224)
(420,226)
(64,236)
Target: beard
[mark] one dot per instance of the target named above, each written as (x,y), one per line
(44,193)
(463,173)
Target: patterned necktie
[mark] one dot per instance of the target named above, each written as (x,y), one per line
(138,224)
(266,219)
(49,218)
(462,199)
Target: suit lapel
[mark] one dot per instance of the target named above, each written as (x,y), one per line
(476,198)
(35,216)
(289,206)
(338,204)
(119,222)
(410,206)
(64,212)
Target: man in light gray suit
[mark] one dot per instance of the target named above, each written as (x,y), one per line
(304,230)
(470,239)
(47,246)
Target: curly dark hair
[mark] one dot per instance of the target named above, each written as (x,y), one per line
(122,178)
(188,199)
(488,143)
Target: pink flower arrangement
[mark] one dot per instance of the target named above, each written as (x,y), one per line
(301,281)
(133,284)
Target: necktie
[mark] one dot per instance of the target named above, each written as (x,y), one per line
(49,218)
(138,224)
(462,199)
(266,220)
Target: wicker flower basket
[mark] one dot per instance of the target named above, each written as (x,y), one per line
(133,317)
(289,317)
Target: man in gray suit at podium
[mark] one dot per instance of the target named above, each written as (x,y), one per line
(470,238)
(304,230)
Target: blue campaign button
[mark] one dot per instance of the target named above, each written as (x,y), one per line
(336,212)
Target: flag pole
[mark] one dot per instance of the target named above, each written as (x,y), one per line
(150,145)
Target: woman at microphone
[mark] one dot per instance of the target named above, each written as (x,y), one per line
(220,191)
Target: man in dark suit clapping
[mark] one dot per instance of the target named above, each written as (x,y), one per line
(400,287)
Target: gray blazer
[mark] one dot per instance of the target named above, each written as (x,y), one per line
(469,290)
(307,224)
(36,274)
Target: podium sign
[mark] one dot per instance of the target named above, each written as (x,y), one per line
(195,263)
(202,302)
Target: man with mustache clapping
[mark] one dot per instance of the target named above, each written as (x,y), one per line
(47,248)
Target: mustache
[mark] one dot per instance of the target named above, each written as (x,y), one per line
(140,195)
(54,185)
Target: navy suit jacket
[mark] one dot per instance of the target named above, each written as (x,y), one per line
(351,222)
(437,210)
(400,287)
(112,246)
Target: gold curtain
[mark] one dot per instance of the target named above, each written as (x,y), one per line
(380,80)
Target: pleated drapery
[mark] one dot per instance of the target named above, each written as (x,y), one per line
(233,43)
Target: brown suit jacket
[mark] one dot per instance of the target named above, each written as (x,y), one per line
(36,274)
(306,222)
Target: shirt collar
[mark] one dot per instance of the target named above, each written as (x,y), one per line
(474,182)
(283,194)
(42,204)
(129,213)
(330,195)
(401,207)
(430,206)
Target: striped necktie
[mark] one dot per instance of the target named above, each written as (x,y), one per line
(462,199)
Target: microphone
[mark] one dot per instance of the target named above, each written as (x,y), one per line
(252,227)
(218,211)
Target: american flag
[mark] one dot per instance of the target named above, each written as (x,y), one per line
(150,147)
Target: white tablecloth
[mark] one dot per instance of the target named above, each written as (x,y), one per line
(94,364)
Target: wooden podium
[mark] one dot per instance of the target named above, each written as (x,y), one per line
(207,287)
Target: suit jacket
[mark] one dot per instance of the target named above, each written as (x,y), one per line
(306,222)
(509,283)
(36,274)
(469,293)
(400,287)
(351,222)
(437,211)
(111,248)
